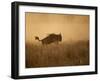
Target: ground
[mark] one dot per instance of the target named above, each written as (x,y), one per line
(63,54)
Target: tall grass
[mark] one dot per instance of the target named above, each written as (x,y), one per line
(63,54)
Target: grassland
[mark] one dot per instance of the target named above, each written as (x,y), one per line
(63,54)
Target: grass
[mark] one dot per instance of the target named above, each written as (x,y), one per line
(63,54)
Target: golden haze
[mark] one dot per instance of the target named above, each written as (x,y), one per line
(72,27)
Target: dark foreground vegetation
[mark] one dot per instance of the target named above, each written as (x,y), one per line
(63,54)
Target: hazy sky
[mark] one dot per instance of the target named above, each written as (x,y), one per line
(72,27)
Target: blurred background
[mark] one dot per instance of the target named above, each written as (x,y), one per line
(72,27)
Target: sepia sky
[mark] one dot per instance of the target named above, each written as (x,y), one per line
(72,27)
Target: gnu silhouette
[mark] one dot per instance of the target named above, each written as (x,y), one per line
(51,38)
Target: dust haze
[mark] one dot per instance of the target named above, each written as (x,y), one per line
(72,27)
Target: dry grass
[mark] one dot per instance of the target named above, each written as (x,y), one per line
(64,54)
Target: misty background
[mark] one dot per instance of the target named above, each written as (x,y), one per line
(72,27)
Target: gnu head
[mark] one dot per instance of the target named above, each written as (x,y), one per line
(60,37)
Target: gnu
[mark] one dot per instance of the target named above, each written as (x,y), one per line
(51,38)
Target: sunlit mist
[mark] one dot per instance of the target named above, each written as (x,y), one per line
(72,27)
